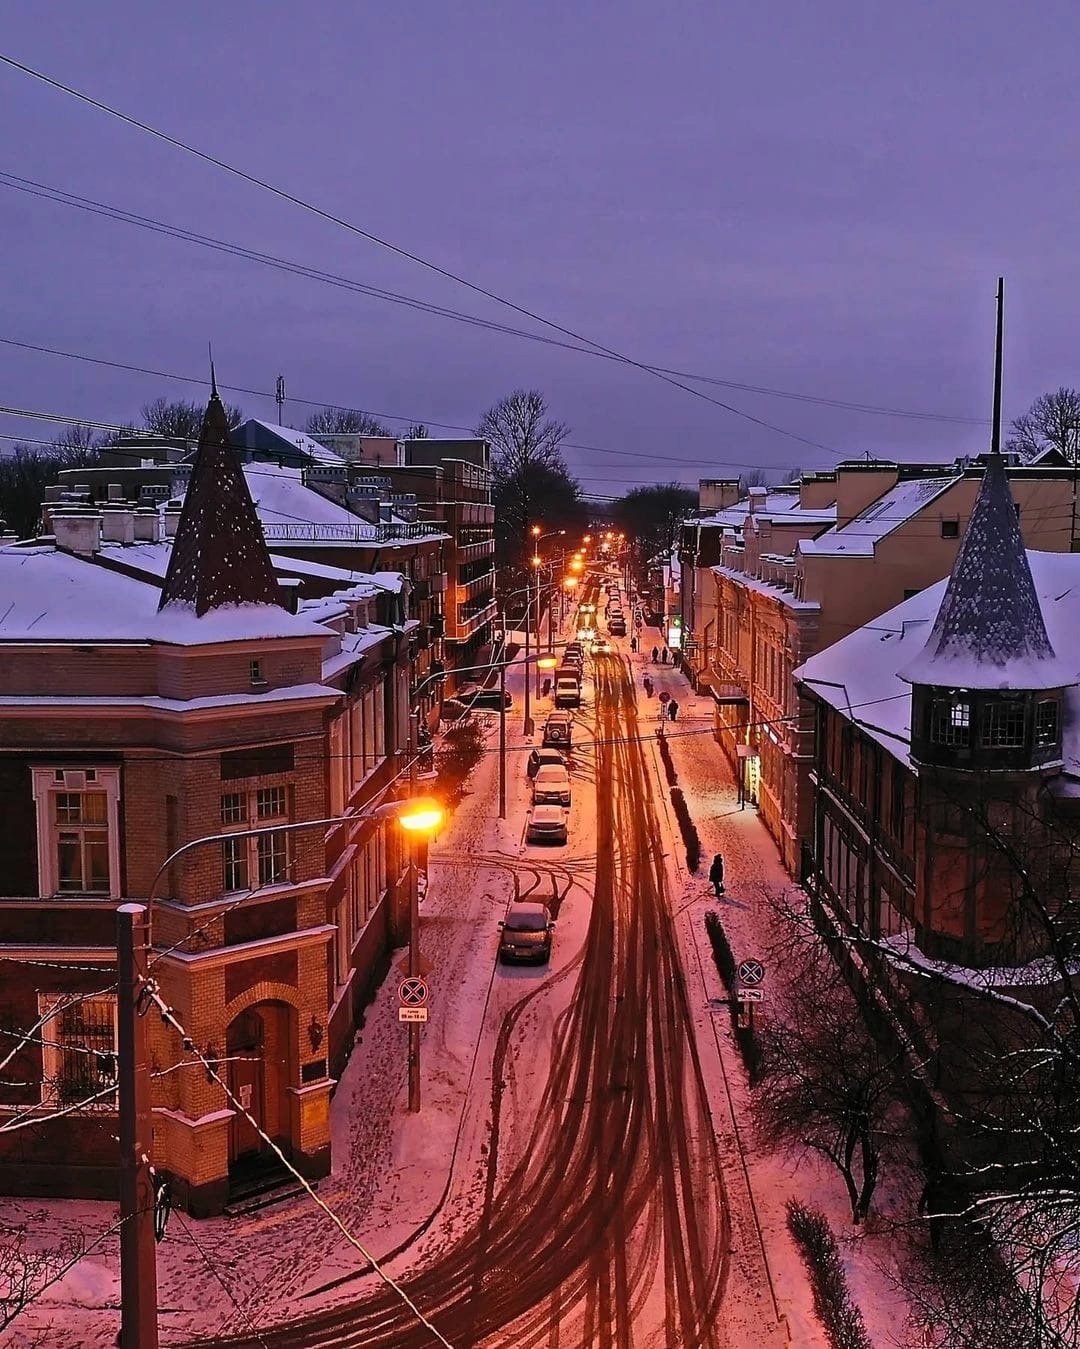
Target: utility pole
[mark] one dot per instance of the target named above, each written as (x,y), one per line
(502,729)
(414,923)
(279,396)
(528,726)
(138,1256)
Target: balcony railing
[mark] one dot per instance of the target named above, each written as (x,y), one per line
(361,532)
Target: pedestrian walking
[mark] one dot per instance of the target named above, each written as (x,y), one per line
(663,656)
(647,682)
(655,654)
(633,644)
(673,709)
(716,874)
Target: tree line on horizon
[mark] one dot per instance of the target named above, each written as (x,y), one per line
(532,483)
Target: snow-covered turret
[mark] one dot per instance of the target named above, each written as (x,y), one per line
(986,688)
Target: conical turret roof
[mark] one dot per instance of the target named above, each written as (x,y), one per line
(989,632)
(219,556)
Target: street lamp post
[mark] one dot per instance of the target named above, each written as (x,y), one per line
(138,1281)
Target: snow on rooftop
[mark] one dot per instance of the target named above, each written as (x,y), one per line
(880,517)
(303,444)
(860,674)
(51,596)
(282,499)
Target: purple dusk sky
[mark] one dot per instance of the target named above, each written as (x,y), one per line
(815,197)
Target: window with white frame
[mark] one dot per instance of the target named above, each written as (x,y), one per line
(263,859)
(78,1056)
(78,830)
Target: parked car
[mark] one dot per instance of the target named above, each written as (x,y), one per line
(558,731)
(541,757)
(546,824)
(551,786)
(483,699)
(617,626)
(568,689)
(525,934)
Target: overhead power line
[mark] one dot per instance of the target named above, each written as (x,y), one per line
(323,214)
(108,211)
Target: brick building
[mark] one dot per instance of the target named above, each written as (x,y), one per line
(945,729)
(136,716)
(814,562)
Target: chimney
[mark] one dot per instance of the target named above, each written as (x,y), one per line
(78,532)
(289,586)
(717,494)
(146,525)
(173,512)
(118,525)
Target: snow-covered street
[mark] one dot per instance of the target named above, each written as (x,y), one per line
(527,1070)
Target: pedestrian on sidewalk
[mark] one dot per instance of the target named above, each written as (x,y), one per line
(673,709)
(655,654)
(716,874)
(633,644)
(663,656)
(648,685)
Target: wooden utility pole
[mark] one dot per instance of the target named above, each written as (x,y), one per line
(138,1255)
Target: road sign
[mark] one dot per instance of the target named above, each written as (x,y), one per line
(751,995)
(664,696)
(751,972)
(403,967)
(412,992)
(412,1013)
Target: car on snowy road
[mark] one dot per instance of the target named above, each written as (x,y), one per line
(541,757)
(546,824)
(558,731)
(551,786)
(483,699)
(525,934)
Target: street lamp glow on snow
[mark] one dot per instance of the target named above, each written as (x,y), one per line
(422,815)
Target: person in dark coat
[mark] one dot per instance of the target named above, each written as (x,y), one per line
(648,685)
(655,654)
(663,656)
(673,709)
(716,874)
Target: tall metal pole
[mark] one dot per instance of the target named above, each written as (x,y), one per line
(538,636)
(414,923)
(138,1257)
(528,726)
(995,435)
(502,741)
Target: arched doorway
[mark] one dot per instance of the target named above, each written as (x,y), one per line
(261,1061)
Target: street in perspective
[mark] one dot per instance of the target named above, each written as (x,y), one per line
(476,879)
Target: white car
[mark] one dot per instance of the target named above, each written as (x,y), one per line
(546,824)
(551,786)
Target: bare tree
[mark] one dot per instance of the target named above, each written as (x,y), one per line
(28,1268)
(417,431)
(653,516)
(1052,421)
(826,1082)
(181,419)
(333,421)
(531,483)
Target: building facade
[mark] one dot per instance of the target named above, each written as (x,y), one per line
(200,716)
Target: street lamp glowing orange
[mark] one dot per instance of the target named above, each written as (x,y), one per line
(547,663)
(421,816)
(535,531)
(570,582)
(588,538)
(536,559)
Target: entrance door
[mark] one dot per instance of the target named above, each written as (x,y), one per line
(245,1051)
